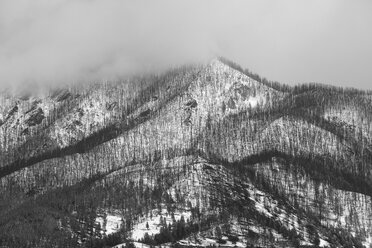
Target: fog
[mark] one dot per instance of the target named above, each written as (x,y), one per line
(292,41)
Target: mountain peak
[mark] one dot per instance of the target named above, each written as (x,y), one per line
(201,156)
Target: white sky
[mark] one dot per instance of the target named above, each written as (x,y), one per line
(291,41)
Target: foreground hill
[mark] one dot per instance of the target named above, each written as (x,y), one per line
(201,155)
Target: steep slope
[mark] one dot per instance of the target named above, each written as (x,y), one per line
(95,115)
(202,155)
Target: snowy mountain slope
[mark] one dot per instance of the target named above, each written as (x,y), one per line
(207,187)
(242,162)
(169,128)
(333,207)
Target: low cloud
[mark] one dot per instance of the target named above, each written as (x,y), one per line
(64,41)
(50,42)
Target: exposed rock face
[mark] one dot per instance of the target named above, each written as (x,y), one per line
(111,106)
(36,116)
(145,113)
(189,106)
(192,103)
(12,112)
(199,156)
(61,95)
(231,103)
(244,91)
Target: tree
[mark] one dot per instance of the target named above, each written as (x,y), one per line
(129,245)
(147,239)
(218,232)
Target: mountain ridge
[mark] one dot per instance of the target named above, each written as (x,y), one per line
(205,133)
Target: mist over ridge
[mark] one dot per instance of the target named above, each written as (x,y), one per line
(49,43)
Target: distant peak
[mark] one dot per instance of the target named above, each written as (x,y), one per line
(217,63)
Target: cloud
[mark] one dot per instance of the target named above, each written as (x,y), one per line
(57,41)
(62,41)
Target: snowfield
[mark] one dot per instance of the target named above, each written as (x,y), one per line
(109,223)
(154,223)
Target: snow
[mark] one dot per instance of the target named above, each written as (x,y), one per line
(113,223)
(207,241)
(323,243)
(136,244)
(254,101)
(350,117)
(140,228)
(90,114)
(341,209)
(307,138)
(368,242)
(168,131)
(261,208)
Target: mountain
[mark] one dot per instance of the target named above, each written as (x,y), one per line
(201,155)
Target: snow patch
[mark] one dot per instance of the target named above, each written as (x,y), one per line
(154,222)
(109,223)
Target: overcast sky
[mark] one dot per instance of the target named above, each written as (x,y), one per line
(291,41)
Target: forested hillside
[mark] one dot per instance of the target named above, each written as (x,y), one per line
(202,155)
